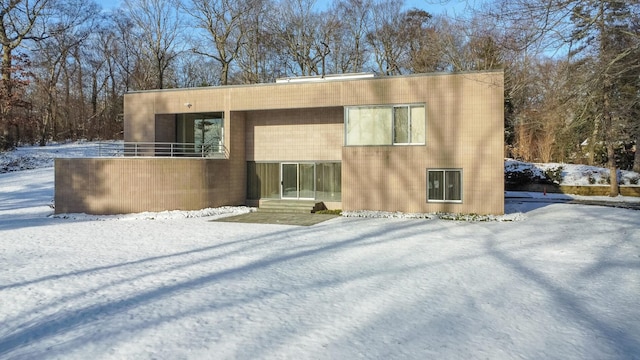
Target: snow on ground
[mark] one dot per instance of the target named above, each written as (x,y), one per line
(561,283)
(573,174)
(34,157)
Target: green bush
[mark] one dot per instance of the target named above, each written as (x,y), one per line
(330,212)
(554,174)
(523,177)
(527,176)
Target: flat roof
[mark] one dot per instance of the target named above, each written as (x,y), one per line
(312,80)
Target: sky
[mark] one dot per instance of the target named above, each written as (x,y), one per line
(108,4)
(436,7)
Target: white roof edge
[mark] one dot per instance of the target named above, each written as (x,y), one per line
(349,76)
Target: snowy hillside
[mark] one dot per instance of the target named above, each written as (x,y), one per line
(35,157)
(569,174)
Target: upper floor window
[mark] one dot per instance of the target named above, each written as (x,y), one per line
(200,133)
(385,125)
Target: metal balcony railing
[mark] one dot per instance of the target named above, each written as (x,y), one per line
(163,149)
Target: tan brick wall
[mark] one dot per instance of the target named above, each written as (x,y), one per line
(139,117)
(165,128)
(295,135)
(304,122)
(129,185)
(235,140)
(464,131)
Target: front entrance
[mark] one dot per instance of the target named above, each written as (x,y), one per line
(297,180)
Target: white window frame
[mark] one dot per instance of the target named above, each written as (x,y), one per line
(445,185)
(410,127)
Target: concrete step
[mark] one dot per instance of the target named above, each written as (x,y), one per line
(290,206)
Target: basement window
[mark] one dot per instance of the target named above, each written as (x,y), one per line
(444,185)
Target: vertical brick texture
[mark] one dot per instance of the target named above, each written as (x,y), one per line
(129,185)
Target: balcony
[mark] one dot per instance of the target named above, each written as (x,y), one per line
(165,149)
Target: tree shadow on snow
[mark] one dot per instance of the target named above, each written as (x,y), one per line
(24,334)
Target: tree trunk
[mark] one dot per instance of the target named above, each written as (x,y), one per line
(224,73)
(95,130)
(593,141)
(609,138)
(5,90)
(79,117)
(43,129)
(613,171)
(636,159)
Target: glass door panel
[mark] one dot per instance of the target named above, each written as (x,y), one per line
(306,181)
(298,180)
(289,181)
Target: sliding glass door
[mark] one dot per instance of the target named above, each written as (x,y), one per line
(297,180)
(320,181)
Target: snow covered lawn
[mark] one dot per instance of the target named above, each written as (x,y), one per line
(562,282)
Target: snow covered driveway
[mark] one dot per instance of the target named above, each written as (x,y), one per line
(562,283)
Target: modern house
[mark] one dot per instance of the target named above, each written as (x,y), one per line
(418,143)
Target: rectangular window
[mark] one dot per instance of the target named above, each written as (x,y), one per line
(444,185)
(418,124)
(368,125)
(409,124)
(401,127)
(385,125)
(200,134)
(328,181)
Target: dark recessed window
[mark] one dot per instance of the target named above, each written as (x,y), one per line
(444,185)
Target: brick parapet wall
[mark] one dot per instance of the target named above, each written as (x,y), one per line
(130,185)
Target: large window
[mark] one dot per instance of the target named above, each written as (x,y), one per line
(444,185)
(263,180)
(369,125)
(200,133)
(385,125)
(329,181)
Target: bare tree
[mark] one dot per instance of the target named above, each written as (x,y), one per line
(547,117)
(193,70)
(222,24)
(386,38)
(103,83)
(295,27)
(17,23)
(69,26)
(592,30)
(602,32)
(424,51)
(158,27)
(258,56)
(350,50)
